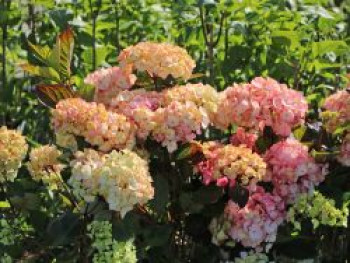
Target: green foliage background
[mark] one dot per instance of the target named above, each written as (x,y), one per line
(302,43)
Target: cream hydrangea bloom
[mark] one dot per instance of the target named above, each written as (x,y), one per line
(125,181)
(13,149)
(44,164)
(122,178)
(158,59)
(204,96)
(85,174)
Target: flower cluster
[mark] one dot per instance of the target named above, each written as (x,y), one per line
(257,222)
(344,155)
(139,106)
(106,248)
(292,170)
(230,164)
(338,107)
(241,137)
(319,209)
(44,164)
(204,96)
(122,178)
(85,178)
(263,102)
(107,130)
(13,149)
(66,140)
(166,121)
(178,122)
(125,181)
(158,60)
(109,82)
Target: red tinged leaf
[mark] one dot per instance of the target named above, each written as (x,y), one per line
(50,95)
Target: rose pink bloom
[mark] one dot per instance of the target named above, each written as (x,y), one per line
(243,137)
(263,102)
(292,170)
(256,224)
(109,82)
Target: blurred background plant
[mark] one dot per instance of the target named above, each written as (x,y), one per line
(302,43)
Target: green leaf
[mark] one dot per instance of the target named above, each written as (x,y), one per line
(299,132)
(161,195)
(286,38)
(29,201)
(4,204)
(44,72)
(41,53)
(62,229)
(62,53)
(101,54)
(337,46)
(157,235)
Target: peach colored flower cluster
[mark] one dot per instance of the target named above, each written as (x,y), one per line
(255,224)
(107,130)
(178,122)
(292,170)
(338,107)
(122,178)
(168,123)
(228,165)
(241,137)
(344,155)
(109,82)
(263,102)
(13,149)
(204,96)
(158,60)
(44,164)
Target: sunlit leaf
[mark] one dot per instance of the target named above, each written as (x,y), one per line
(44,72)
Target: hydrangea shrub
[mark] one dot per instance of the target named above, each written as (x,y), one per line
(174,171)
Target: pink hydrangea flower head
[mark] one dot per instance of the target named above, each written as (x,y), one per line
(263,102)
(292,170)
(241,137)
(109,82)
(139,106)
(254,225)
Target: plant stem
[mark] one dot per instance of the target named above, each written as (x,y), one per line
(117,22)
